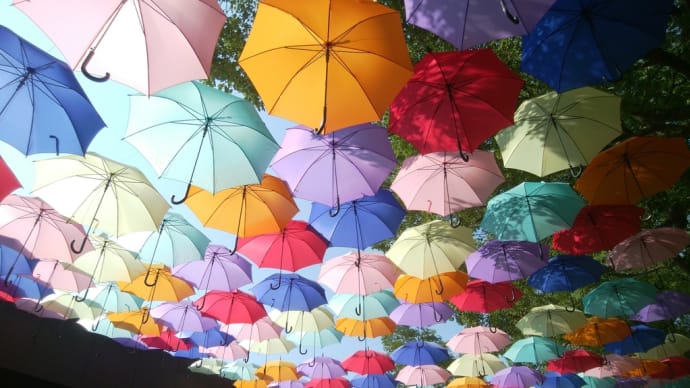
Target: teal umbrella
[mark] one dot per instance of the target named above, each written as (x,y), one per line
(531,211)
(619,298)
(320,339)
(212,139)
(374,305)
(535,350)
(598,382)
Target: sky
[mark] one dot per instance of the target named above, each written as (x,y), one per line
(112,102)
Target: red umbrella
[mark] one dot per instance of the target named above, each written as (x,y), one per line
(365,362)
(675,367)
(299,245)
(167,340)
(481,296)
(455,101)
(231,306)
(8,182)
(573,361)
(598,228)
(338,382)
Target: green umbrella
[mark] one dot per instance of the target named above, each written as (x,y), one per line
(323,338)
(598,382)
(238,370)
(374,305)
(536,350)
(551,320)
(675,345)
(619,298)
(531,211)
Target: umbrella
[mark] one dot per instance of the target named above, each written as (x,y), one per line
(669,305)
(278,370)
(535,350)
(478,340)
(278,345)
(455,101)
(43,107)
(566,273)
(576,360)
(158,284)
(644,370)
(472,365)
(344,62)
(229,352)
(290,292)
(208,338)
(675,367)
(619,297)
(551,320)
(641,339)
(250,384)
(316,320)
(61,276)
(335,168)
(580,43)
(648,248)
(502,261)
(165,341)
(599,331)
(416,353)
(68,307)
(436,288)
(338,382)
(365,362)
(483,297)
(422,375)
(12,262)
(320,339)
(598,228)
(443,183)
(531,211)
(374,305)
(219,270)
(287,384)
(238,370)
(9,182)
(598,382)
(358,272)
(383,380)
(234,306)
(554,132)
(421,314)
(94,190)
(517,377)
(615,365)
(135,41)
(182,317)
(675,345)
(137,322)
(431,248)
(359,223)
(297,246)
(205,131)
(468,382)
(634,169)
(365,328)
(321,368)
(557,380)
(261,329)
(466,24)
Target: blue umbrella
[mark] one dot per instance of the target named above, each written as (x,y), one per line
(557,380)
(374,381)
(587,42)
(290,292)
(415,353)
(43,109)
(211,337)
(566,273)
(12,261)
(26,286)
(359,223)
(641,340)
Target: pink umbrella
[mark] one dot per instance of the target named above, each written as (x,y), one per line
(219,270)
(443,183)
(358,272)
(182,317)
(479,339)
(648,248)
(231,351)
(261,330)
(61,276)
(614,365)
(517,377)
(422,375)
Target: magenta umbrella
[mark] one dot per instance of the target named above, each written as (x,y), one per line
(219,270)
(502,261)
(517,377)
(478,340)
(339,167)
(358,272)
(421,314)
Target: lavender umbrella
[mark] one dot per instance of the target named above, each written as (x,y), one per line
(182,316)
(668,305)
(219,270)
(517,377)
(321,368)
(502,261)
(421,314)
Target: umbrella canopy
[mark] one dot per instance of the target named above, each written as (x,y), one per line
(278,370)
(366,362)
(634,169)
(338,382)
(468,23)
(8,179)
(455,101)
(12,262)
(648,248)
(61,276)
(278,345)
(182,317)
(335,168)
(358,273)
(231,307)
(422,375)
(374,305)
(551,320)
(316,340)
(531,211)
(262,329)
(219,270)
(316,320)
(436,288)
(534,350)
(641,339)
(344,61)
(478,340)
(297,246)
(473,365)
(43,107)
(365,328)
(137,322)
(68,307)
(599,331)
(517,377)
(554,132)
(566,273)
(158,284)
(675,345)
(674,368)
(383,380)
(443,183)
(421,315)
(614,365)
(290,292)
(321,368)
(619,297)
(416,353)
(468,382)
(483,297)
(557,380)
(134,41)
(205,131)
(669,305)
(111,299)
(576,360)
(503,261)
(580,43)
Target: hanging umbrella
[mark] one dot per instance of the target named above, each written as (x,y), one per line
(43,107)
(182,317)
(100,193)
(344,62)
(503,261)
(234,306)
(576,360)
(587,43)
(517,377)
(278,370)
(473,365)
(68,307)
(165,341)
(531,211)
(287,384)
(421,315)
(468,382)
(675,345)
(534,350)
(321,368)
(339,382)
(431,248)
(383,380)
(483,297)
(365,362)
(262,329)
(615,365)
(12,262)
(422,375)
(466,24)
(455,101)
(358,223)
(137,322)
(668,306)
(375,305)
(279,345)
(598,228)
(207,339)
(567,273)
(478,340)
(644,370)
(554,132)
(135,41)
(220,270)
(335,168)
(238,370)
(641,339)
(61,276)
(648,248)
(596,382)
(619,297)
(443,183)
(250,384)
(8,182)
(365,328)
(436,288)
(290,292)
(158,284)
(314,340)
(297,246)
(674,368)
(358,273)
(599,331)
(634,169)
(557,380)
(417,352)
(551,320)
(313,321)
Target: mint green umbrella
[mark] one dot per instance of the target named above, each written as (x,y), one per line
(619,298)
(598,382)
(374,305)
(535,350)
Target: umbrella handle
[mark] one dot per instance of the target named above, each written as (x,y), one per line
(38,307)
(57,144)
(81,246)
(575,171)
(289,329)
(512,297)
(86,73)
(146,316)
(493,329)
(441,287)
(203,303)
(155,280)
(437,316)
(312,362)
(514,19)
(337,208)
(246,359)
(571,308)
(300,349)
(81,298)
(186,194)
(454,221)
(464,155)
(280,279)
(94,325)
(361,338)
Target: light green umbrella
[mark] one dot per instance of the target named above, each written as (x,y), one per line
(551,320)
(319,318)
(554,132)
(535,350)
(598,382)
(374,305)
(207,366)
(212,139)
(675,345)
(472,365)
(68,307)
(238,370)
(619,298)
(321,339)
(112,299)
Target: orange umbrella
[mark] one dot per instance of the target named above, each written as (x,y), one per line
(468,382)
(436,288)
(367,328)
(342,62)
(250,384)
(158,284)
(278,370)
(137,322)
(599,331)
(634,169)
(646,368)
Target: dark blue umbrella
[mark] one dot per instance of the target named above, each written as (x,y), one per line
(415,353)
(290,292)
(43,109)
(12,261)
(359,223)
(587,42)
(557,380)
(641,340)
(374,381)
(566,273)
(26,286)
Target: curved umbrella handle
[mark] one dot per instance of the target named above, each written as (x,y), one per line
(437,316)
(514,19)
(571,308)
(575,171)
(203,303)
(38,307)
(300,349)
(441,287)
(361,338)
(312,362)
(184,198)
(86,73)
(454,221)
(57,144)
(94,325)
(358,309)
(146,316)
(83,297)
(289,329)
(81,246)
(337,208)
(493,329)
(512,296)
(280,281)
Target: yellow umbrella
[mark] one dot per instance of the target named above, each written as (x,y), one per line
(320,318)
(436,288)
(250,384)
(551,320)
(137,322)
(158,284)
(342,62)
(468,382)
(279,345)
(675,345)
(472,365)
(367,328)
(277,370)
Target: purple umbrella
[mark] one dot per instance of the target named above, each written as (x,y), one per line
(421,314)
(219,270)
(669,305)
(335,168)
(502,261)
(467,23)
(182,317)
(321,368)
(517,377)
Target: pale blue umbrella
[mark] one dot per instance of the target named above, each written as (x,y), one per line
(374,305)
(535,350)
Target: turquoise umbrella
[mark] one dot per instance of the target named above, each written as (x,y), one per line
(374,305)
(535,350)
(531,211)
(619,298)
(212,139)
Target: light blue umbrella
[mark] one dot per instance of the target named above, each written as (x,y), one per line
(535,350)
(374,305)
(321,339)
